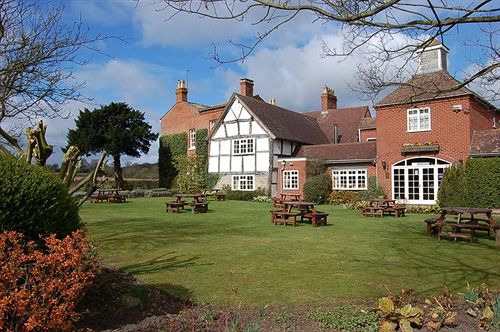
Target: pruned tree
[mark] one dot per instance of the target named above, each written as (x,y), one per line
(388,32)
(38,53)
(116,129)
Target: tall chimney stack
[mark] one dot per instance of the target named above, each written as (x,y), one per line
(181,93)
(328,100)
(246,86)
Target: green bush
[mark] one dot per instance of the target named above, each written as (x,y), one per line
(453,188)
(374,190)
(483,182)
(171,147)
(346,318)
(243,195)
(191,177)
(34,201)
(343,197)
(317,188)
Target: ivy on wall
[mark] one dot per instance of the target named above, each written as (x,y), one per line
(171,147)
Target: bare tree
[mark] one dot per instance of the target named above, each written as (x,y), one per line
(38,53)
(373,27)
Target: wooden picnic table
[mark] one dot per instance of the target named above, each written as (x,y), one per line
(379,207)
(109,195)
(199,203)
(453,220)
(306,210)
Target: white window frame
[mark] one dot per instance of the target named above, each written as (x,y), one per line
(211,124)
(341,177)
(291,179)
(418,117)
(238,180)
(436,165)
(241,146)
(192,139)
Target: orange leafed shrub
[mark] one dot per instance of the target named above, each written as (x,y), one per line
(39,289)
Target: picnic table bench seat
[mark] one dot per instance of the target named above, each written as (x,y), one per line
(98,198)
(174,206)
(373,211)
(220,197)
(317,218)
(116,199)
(199,207)
(285,218)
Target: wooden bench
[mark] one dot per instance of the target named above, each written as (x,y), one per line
(317,218)
(432,226)
(98,198)
(496,230)
(285,218)
(220,197)
(398,210)
(201,207)
(116,199)
(174,206)
(373,211)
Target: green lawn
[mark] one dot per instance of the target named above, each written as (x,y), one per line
(233,255)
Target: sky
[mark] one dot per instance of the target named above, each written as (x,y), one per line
(151,52)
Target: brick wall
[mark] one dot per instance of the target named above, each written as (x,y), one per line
(451,130)
(183,116)
(367,133)
(292,165)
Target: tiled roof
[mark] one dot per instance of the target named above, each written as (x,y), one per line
(348,120)
(368,123)
(485,143)
(283,123)
(203,107)
(340,152)
(423,87)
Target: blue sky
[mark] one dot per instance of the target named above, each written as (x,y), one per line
(142,69)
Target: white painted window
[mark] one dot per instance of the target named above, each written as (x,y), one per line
(211,124)
(290,179)
(243,146)
(192,138)
(350,179)
(419,119)
(243,182)
(417,180)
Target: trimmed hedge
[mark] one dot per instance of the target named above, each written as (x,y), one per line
(317,188)
(243,195)
(34,201)
(475,184)
(483,182)
(171,147)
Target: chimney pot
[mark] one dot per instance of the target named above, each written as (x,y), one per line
(272,101)
(246,86)
(181,91)
(328,100)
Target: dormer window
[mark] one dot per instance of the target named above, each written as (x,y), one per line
(419,119)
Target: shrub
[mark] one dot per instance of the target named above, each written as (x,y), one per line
(241,195)
(171,147)
(191,177)
(40,289)
(374,190)
(317,188)
(453,188)
(483,182)
(343,197)
(346,318)
(262,199)
(212,180)
(34,201)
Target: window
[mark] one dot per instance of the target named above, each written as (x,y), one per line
(419,119)
(243,182)
(417,180)
(192,139)
(350,179)
(211,124)
(243,146)
(290,179)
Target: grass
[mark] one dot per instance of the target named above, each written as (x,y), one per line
(234,256)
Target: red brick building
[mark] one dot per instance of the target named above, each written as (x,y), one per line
(420,129)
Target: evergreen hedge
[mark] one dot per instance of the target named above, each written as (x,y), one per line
(477,184)
(483,182)
(171,147)
(34,200)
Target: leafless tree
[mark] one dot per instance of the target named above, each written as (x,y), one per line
(373,27)
(38,53)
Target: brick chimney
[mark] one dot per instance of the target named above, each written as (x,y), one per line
(328,100)
(246,86)
(181,93)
